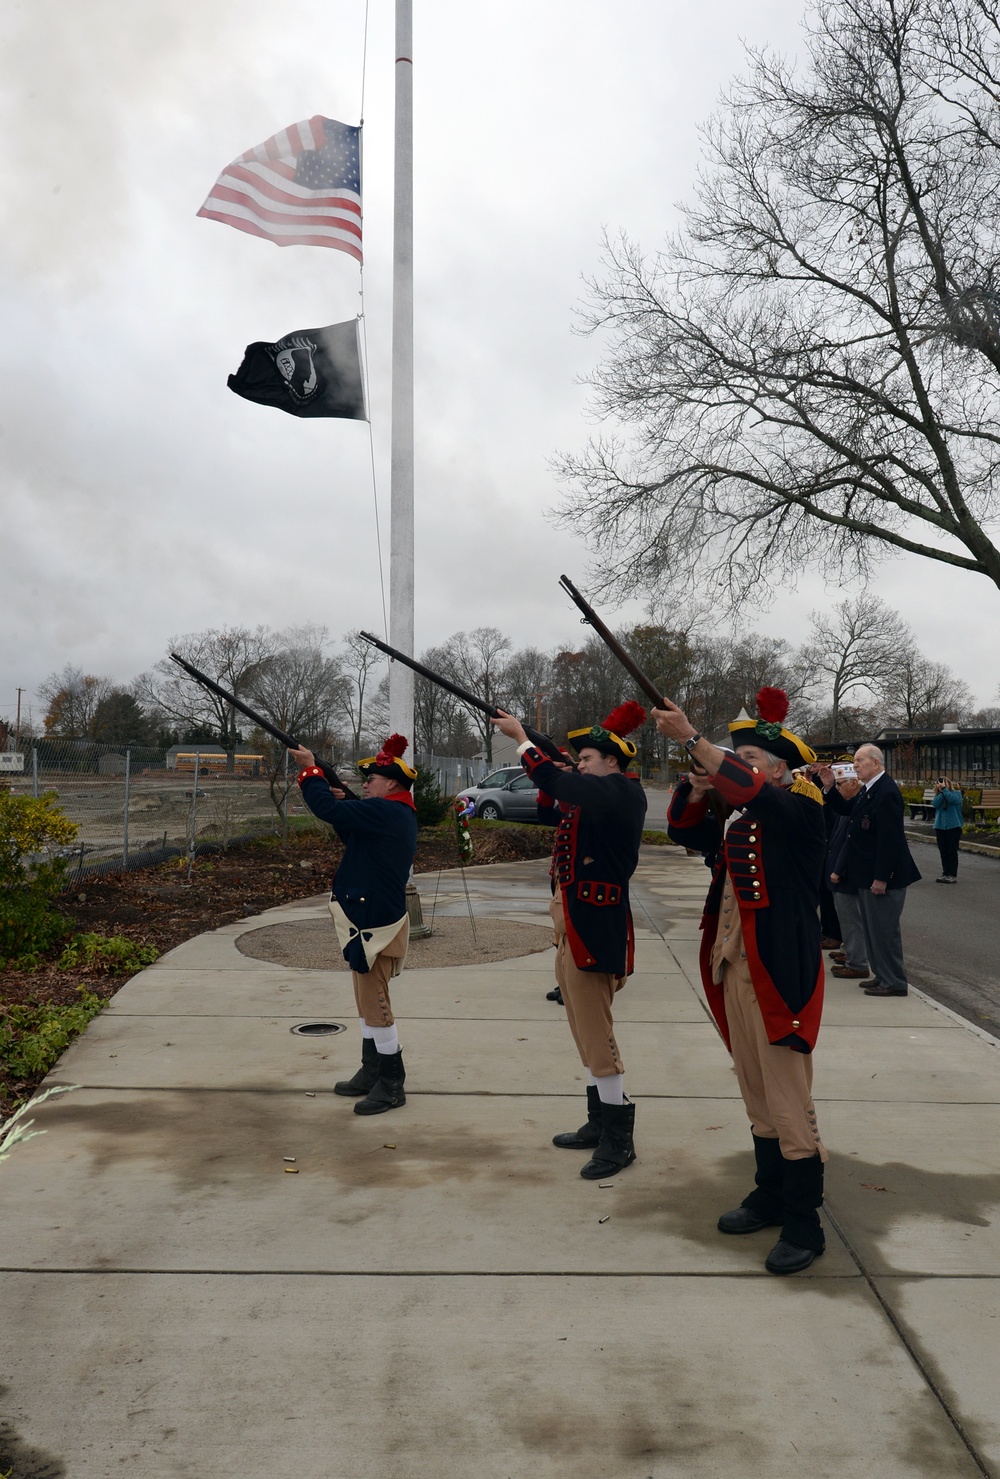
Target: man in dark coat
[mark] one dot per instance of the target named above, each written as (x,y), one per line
(879,864)
(601,814)
(761,964)
(368,905)
(852,962)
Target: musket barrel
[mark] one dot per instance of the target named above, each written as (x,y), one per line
(646,683)
(544,742)
(287,740)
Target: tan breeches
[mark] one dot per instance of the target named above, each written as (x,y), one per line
(371,991)
(776,1083)
(587,997)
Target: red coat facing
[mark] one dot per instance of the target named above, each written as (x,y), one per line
(774,853)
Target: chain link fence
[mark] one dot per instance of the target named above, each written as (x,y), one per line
(135,806)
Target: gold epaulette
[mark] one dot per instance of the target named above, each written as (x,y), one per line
(802,787)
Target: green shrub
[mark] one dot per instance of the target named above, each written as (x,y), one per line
(107,955)
(32,1037)
(31,829)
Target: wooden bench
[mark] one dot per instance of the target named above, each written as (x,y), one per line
(923,811)
(989,803)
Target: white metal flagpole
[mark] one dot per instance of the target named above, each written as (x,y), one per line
(401,493)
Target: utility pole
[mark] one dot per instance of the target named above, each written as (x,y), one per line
(401,474)
(17,726)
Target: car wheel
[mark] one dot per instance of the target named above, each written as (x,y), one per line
(490,812)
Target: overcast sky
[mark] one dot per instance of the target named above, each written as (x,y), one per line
(142,499)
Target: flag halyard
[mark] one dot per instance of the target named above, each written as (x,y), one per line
(301,187)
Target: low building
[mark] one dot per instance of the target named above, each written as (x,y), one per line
(969,756)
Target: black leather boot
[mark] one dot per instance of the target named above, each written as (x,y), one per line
(802,1238)
(388,1090)
(588,1135)
(615,1149)
(367,1075)
(764,1206)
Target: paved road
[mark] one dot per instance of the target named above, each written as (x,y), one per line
(951,936)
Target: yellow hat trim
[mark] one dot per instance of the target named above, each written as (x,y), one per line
(808,754)
(407,770)
(595,731)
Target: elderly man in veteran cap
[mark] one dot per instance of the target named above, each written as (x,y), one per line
(761,963)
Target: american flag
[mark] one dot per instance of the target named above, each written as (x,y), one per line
(300,188)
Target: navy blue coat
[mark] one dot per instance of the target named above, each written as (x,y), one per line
(876,843)
(380,840)
(595,854)
(774,855)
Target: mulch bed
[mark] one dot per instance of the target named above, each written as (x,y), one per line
(159,907)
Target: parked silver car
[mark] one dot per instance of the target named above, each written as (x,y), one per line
(491,781)
(513,800)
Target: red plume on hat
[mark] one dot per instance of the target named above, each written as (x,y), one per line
(772,705)
(395,746)
(625,718)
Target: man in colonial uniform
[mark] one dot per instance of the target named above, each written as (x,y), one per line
(601,814)
(761,964)
(368,905)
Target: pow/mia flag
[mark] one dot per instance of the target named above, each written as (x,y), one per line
(314,372)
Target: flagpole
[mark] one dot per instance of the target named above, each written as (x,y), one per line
(401,472)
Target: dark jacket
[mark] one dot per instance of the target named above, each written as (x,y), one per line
(595,854)
(380,840)
(836,855)
(876,843)
(774,854)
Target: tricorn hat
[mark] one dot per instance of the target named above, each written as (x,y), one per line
(767,732)
(608,736)
(389,762)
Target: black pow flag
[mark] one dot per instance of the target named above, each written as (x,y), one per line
(313,372)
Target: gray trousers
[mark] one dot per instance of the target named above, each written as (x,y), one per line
(852,931)
(880,914)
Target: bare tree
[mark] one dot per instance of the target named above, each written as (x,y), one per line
(477,660)
(299,688)
(809,372)
(527,686)
(862,646)
(72,698)
(922,694)
(361,667)
(586,685)
(229,655)
(988,718)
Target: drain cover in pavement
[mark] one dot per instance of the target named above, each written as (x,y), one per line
(318,1029)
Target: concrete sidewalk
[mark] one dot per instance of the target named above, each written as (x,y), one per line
(437,1294)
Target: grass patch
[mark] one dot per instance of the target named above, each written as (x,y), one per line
(658,839)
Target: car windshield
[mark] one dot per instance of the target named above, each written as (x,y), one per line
(497,778)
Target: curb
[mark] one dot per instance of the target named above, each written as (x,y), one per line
(982,848)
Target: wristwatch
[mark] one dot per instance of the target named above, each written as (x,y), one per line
(690,742)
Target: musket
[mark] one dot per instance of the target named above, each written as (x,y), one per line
(608,637)
(543,742)
(329,774)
